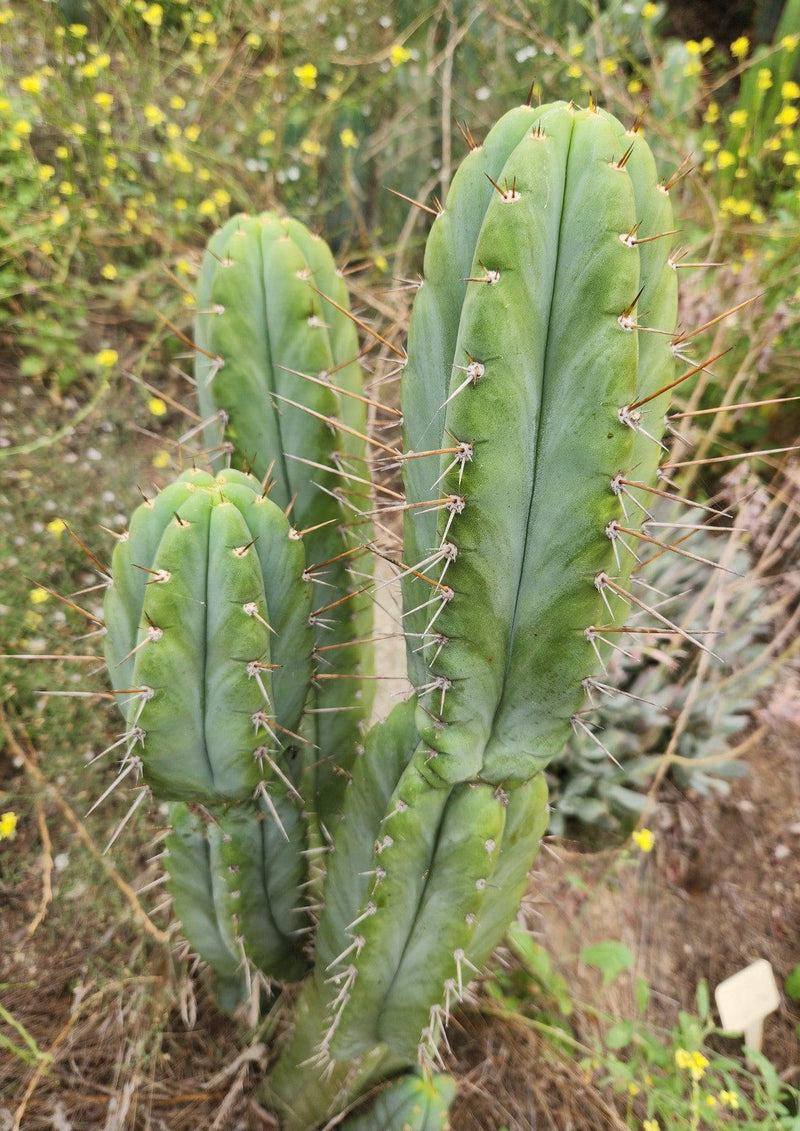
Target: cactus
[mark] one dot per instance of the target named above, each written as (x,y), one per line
(532,408)
(278,356)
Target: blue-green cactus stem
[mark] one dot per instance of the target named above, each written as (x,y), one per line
(414,1102)
(535,387)
(222,662)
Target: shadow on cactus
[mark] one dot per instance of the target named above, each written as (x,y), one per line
(371,872)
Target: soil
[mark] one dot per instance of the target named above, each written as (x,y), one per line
(135,1041)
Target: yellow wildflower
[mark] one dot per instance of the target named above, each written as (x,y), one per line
(634,86)
(306,75)
(59,216)
(399,55)
(730,1099)
(790,90)
(725,159)
(173,131)
(381,263)
(192,133)
(790,42)
(108,271)
(712,113)
(177,103)
(206,207)
(693,48)
(738,118)
(643,839)
(46,173)
(161,460)
(574,71)
(106,358)
(6,15)
(772,144)
(764,78)
(8,825)
(205,18)
(791,157)
(348,138)
(38,596)
(21,128)
(787,116)
(103,60)
(31,84)
(56,526)
(104,100)
(608,66)
(740,47)
(90,70)
(46,247)
(649,11)
(651,1125)
(156,406)
(78,129)
(633,1089)
(266,137)
(706,43)
(153,115)
(692,68)
(253,40)
(80,31)
(153,15)
(62,153)
(311,147)
(710,145)
(576,50)
(179,204)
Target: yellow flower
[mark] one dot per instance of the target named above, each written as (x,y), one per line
(46,173)
(66,188)
(790,90)
(221,197)
(706,43)
(643,839)
(634,86)
(693,48)
(711,1101)
(266,137)
(787,116)
(649,11)
(205,18)
(399,55)
(107,358)
(59,217)
(179,204)
(90,70)
(725,159)
(156,406)
(46,247)
(173,131)
(103,60)
(738,118)
(153,15)
(177,103)
(78,129)
(348,138)
(692,68)
(38,596)
(6,15)
(381,263)
(710,145)
(306,75)
(310,146)
(161,460)
(110,161)
(608,66)
(712,113)
(633,1089)
(8,825)
(108,271)
(730,1099)
(56,526)
(192,133)
(764,78)
(104,100)
(651,1125)
(790,42)
(21,128)
(210,38)
(31,84)
(153,114)
(62,153)
(206,207)
(576,50)
(791,157)
(758,217)
(574,71)
(740,47)
(772,144)
(80,31)
(253,40)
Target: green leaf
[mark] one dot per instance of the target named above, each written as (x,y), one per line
(642,995)
(610,957)
(619,1035)
(793,984)
(701,997)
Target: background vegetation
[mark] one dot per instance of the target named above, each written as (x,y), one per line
(128,131)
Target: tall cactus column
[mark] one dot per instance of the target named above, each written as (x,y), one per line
(525,373)
(276,362)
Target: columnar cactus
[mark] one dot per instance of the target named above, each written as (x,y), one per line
(532,403)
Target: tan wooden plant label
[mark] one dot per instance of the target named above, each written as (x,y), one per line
(745,999)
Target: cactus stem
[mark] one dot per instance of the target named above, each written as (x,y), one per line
(417,204)
(251,610)
(344,392)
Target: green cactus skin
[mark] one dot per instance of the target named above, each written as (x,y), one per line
(223,651)
(261,323)
(235,876)
(412,1103)
(546,358)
